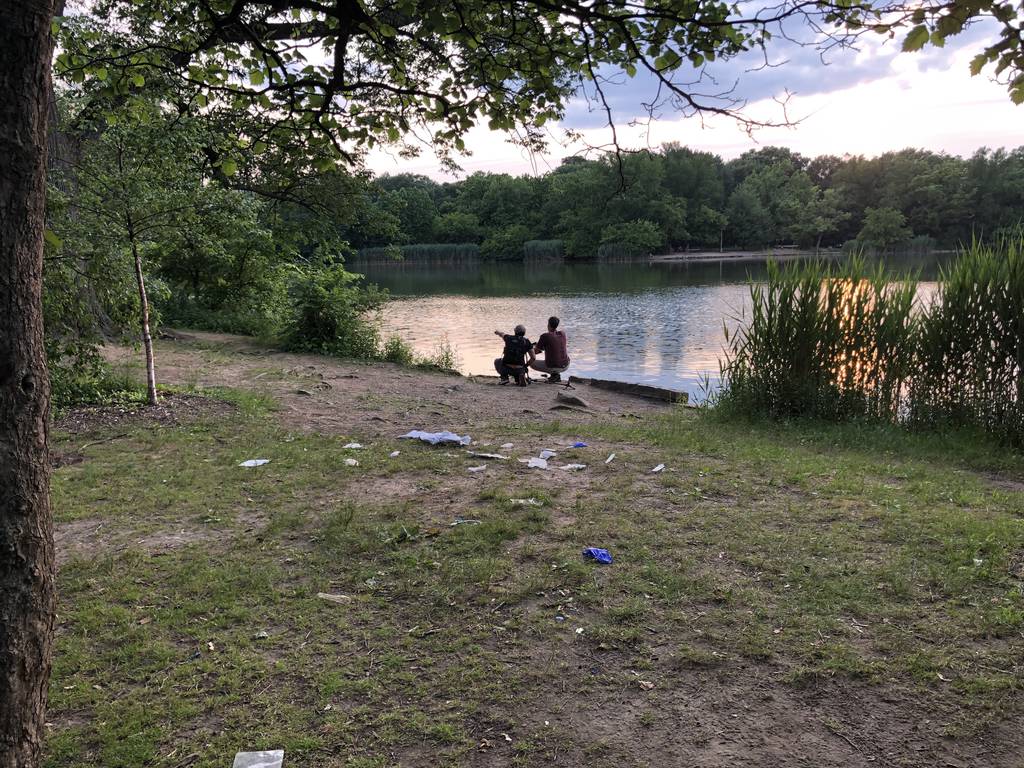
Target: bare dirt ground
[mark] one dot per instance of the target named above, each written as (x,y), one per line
(334,397)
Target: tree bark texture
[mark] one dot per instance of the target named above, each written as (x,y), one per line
(147,338)
(26,528)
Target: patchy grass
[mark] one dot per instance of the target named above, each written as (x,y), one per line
(770,570)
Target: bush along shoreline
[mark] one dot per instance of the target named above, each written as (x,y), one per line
(847,341)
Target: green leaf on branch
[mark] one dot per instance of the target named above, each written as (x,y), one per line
(916,39)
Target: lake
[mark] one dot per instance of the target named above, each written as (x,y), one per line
(649,322)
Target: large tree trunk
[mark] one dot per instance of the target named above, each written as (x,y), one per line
(26,529)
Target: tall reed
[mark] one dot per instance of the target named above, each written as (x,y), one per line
(822,340)
(451,253)
(970,366)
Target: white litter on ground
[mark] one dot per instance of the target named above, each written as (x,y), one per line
(530,502)
(393,454)
(435,438)
(574,466)
(537,463)
(481,468)
(507,446)
(658,468)
(270,758)
(352,445)
(487,455)
(351,463)
(609,459)
(547,453)
(254,462)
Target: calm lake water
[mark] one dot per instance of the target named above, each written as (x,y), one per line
(657,323)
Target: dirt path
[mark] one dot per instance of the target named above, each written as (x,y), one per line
(319,394)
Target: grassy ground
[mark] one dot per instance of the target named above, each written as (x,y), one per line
(801,595)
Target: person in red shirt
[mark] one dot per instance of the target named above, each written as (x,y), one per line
(555,349)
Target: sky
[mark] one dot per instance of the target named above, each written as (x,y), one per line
(866,101)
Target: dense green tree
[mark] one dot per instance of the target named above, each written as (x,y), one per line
(640,237)
(457,227)
(883,228)
(750,224)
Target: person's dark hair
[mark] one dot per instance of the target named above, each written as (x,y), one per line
(520,330)
(552,322)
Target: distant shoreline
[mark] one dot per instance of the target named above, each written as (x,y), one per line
(741,256)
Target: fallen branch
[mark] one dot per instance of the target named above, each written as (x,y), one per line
(100,442)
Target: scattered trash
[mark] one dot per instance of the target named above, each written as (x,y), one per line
(507,738)
(478,455)
(602,556)
(210,646)
(559,617)
(273,758)
(507,446)
(657,469)
(548,453)
(254,462)
(574,466)
(978,562)
(351,463)
(481,468)
(579,630)
(537,463)
(352,445)
(261,635)
(530,502)
(393,454)
(647,685)
(436,438)
(463,521)
(611,456)
(579,444)
(331,598)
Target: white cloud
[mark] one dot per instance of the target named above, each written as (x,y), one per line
(928,102)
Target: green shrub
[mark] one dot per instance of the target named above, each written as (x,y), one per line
(445,357)
(395,350)
(329,314)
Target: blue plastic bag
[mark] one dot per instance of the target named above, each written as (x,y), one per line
(579,444)
(602,556)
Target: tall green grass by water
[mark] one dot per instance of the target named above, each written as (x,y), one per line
(971,347)
(852,341)
(824,341)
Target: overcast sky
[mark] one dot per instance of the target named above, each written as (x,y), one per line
(861,102)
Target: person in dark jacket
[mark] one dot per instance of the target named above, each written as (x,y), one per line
(515,358)
(556,352)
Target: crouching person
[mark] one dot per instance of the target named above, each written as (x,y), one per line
(555,349)
(515,358)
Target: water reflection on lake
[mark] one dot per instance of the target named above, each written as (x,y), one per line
(649,322)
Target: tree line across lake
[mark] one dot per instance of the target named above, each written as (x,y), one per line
(156,217)
(678,198)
